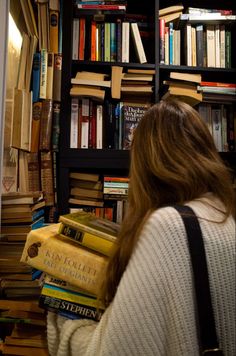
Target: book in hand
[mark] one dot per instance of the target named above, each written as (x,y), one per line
(90,223)
(47,251)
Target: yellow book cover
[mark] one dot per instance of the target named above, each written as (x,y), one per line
(48,252)
(87,222)
(91,241)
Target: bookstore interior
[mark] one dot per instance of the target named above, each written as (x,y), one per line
(76,77)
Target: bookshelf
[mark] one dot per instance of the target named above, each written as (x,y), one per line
(113,161)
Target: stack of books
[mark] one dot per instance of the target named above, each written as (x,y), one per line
(20,213)
(90,84)
(217,91)
(184,86)
(86,189)
(137,82)
(25,328)
(74,255)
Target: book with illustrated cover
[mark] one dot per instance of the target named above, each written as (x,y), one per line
(132,114)
(64,259)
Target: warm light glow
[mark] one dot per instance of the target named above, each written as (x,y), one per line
(14,34)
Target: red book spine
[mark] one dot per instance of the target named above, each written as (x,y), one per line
(218,84)
(81,38)
(101,7)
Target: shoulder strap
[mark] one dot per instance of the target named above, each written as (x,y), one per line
(197,252)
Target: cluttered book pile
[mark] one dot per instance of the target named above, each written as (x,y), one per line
(73,256)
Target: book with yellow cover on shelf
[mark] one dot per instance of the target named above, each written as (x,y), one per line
(47,251)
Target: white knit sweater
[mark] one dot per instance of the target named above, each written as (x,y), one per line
(153,312)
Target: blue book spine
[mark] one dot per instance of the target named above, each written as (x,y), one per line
(36,77)
(38,223)
(171,43)
(37,214)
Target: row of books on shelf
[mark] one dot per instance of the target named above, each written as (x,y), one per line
(109,41)
(104,126)
(133,82)
(35,125)
(105,197)
(205,45)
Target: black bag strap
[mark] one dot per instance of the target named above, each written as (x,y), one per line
(208,334)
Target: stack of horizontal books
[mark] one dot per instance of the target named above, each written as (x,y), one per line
(20,213)
(24,328)
(184,86)
(86,189)
(74,255)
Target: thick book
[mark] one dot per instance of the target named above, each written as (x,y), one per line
(170,10)
(89,240)
(85,91)
(53,30)
(57,77)
(71,308)
(87,222)
(36,76)
(91,177)
(47,177)
(45,125)
(66,260)
(35,130)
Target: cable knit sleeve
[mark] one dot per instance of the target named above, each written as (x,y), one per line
(153,310)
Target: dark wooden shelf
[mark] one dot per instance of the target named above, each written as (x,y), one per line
(121,64)
(196,69)
(92,158)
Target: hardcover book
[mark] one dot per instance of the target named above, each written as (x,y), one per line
(48,252)
(87,222)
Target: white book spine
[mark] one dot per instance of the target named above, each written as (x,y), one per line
(74,123)
(84,134)
(125,42)
(99,125)
(222,46)
(217,45)
(138,43)
(189,44)
(210,37)
(119,211)
(75,42)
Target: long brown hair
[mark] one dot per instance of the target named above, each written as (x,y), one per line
(173,160)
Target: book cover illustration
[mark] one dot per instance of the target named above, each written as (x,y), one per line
(131,116)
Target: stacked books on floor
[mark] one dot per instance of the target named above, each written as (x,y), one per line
(184,86)
(20,214)
(74,255)
(24,328)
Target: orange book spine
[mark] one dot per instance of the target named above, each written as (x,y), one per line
(53,30)
(81,38)
(93,41)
